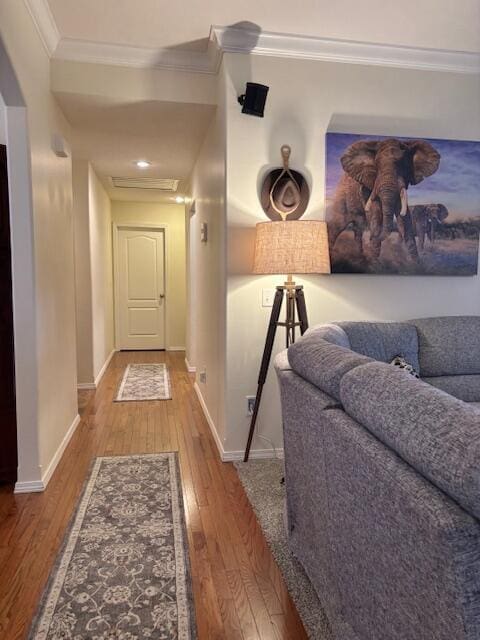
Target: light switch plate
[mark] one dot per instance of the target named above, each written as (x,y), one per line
(268,296)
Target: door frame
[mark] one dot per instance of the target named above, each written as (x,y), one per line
(116,228)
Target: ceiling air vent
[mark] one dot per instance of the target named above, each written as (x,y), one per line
(161,184)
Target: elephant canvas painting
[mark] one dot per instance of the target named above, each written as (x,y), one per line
(399,205)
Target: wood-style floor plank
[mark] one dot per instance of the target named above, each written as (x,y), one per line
(238,590)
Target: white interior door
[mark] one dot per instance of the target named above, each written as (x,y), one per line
(141,289)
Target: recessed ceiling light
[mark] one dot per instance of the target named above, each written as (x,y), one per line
(143,164)
(179,199)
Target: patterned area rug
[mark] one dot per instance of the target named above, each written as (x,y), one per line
(123,572)
(144,382)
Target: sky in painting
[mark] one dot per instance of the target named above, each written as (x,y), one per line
(456,184)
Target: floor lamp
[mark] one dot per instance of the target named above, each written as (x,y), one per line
(287,247)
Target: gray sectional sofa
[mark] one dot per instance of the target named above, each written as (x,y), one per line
(383,475)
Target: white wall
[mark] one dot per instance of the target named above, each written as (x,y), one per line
(101,266)
(207,270)
(306,98)
(49,303)
(172,216)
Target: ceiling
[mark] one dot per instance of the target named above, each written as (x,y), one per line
(185,24)
(114,135)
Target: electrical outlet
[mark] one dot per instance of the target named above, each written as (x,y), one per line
(268,296)
(250,405)
(203,376)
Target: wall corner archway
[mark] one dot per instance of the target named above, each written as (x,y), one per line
(23,278)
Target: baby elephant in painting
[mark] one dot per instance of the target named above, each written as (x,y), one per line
(426,219)
(372,192)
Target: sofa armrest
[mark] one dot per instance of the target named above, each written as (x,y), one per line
(281,361)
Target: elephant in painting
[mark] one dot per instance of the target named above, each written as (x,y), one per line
(426,219)
(372,193)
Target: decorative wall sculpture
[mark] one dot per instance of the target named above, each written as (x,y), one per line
(402,205)
(285,193)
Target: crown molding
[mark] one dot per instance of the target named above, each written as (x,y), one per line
(282,45)
(239,40)
(45,24)
(207,61)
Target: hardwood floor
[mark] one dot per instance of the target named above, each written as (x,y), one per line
(239,591)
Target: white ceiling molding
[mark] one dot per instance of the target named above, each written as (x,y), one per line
(325,49)
(45,24)
(235,40)
(240,40)
(140,57)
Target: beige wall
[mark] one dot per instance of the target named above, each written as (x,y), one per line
(83,272)
(206,315)
(305,99)
(53,237)
(172,216)
(101,265)
(93,272)
(113,82)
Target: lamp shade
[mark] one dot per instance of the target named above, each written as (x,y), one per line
(291,246)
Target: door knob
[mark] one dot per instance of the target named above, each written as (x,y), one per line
(162,295)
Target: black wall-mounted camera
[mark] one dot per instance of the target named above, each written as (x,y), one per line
(254,98)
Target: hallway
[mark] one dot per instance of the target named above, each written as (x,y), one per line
(239,592)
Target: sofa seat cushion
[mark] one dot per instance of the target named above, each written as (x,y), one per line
(383,341)
(431,430)
(466,388)
(448,346)
(322,363)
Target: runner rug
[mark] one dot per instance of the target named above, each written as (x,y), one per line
(144,382)
(123,572)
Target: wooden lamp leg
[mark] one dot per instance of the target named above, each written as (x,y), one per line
(295,301)
(301,310)
(267,354)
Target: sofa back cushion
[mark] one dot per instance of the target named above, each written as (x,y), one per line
(435,433)
(322,363)
(448,346)
(466,388)
(383,340)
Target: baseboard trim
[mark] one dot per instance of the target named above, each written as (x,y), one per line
(94,385)
(104,368)
(33,486)
(208,418)
(86,385)
(190,367)
(59,452)
(255,454)
(36,486)
(175,348)
(232,456)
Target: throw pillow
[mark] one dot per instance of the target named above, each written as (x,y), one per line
(399,361)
